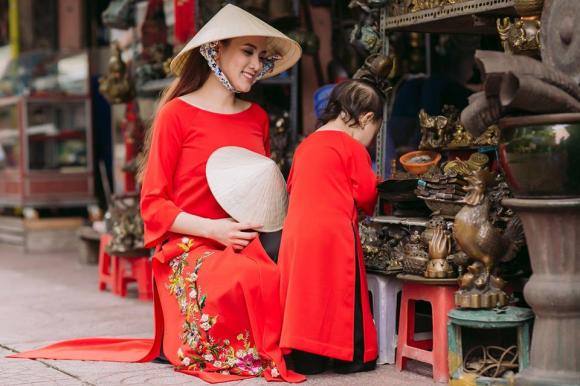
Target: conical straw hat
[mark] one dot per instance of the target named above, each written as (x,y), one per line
(248,186)
(231,22)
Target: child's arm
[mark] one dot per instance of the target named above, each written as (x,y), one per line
(364,182)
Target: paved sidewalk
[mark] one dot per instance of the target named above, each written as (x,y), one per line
(50,297)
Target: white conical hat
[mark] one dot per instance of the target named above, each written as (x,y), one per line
(231,22)
(248,186)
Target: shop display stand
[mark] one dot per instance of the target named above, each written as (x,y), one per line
(552,230)
(551,225)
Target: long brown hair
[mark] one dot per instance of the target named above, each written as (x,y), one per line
(195,73)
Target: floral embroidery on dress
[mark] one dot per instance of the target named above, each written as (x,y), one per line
(206,353)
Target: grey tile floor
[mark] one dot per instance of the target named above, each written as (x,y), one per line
(51,296)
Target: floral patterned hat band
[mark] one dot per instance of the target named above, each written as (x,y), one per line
(233,22)
(209,52)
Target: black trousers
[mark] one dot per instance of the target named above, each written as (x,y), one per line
(308,363)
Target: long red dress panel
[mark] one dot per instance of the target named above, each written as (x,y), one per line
(217,311)
(331,177)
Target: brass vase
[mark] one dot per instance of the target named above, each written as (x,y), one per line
(540,155)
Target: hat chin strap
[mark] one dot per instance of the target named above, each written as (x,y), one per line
(209,52)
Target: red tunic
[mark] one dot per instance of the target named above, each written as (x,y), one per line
(331,178)
(218,311)
(183,140)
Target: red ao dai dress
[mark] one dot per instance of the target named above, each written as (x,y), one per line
(331,178)
(217,312)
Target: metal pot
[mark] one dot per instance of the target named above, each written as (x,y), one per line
(540,155)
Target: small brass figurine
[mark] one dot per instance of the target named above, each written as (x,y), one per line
(415,256)
(522,37)
(438,131)
(432,130)
(489,137)
(116,86)
(461,138)
(484,244)
(379,248)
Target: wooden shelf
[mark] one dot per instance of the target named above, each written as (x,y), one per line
(470,16)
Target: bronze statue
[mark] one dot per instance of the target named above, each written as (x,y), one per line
(439,130)
(490,137)
(116,86)
(522,37)
(484,244)
(378,248)
(461,138)
(414,256)
(439,248)
(432,130)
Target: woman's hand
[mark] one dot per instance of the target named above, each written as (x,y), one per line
(229,232)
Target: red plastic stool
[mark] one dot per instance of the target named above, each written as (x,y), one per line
(108,265)
(135,269)
(441,299)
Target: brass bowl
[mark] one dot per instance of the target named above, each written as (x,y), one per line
(540,155)
(418,168)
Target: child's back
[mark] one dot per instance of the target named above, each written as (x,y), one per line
(331,176)
(330,172)
(320,260)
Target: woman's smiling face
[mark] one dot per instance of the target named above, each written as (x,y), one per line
(241,60)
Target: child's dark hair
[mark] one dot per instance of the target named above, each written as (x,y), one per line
(354,97)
